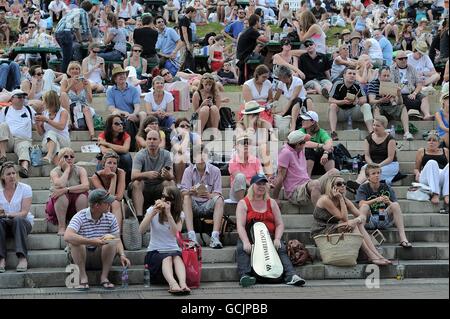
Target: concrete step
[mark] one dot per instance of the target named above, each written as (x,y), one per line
(41,225)
(45,241)
(58,258)
(55,277)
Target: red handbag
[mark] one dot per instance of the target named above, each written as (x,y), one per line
(192,258)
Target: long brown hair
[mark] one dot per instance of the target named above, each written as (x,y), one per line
(307,19)
(109,130)
(176,204)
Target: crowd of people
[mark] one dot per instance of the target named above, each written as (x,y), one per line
(385,66)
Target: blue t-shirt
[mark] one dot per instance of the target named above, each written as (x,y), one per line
(386,47)
(235,28)
(123,100)
(167,40)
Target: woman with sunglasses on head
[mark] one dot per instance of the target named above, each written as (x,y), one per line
(331,216)
(182,140)
(114,138)
(257,206)
(150,123)
(69,186)
(76,96)
(206,102)
(93,68)
(34,87)
(432,168)
(15,216)
(54,125)
(159,103)
(165,221)
(111,178)
(135,60)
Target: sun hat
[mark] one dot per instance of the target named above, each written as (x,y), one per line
(118,70)
(298,136)
(310,115)
(252,107)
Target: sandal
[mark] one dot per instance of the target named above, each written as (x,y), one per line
(405,244)
(107,285)
(93,138)
(84,286)
(176,292)
(23,172)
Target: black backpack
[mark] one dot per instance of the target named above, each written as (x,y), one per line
(344,160)
(226,119)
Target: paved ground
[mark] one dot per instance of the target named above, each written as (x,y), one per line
(320,289)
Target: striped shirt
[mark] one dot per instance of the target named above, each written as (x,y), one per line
(83,224)
(74,19)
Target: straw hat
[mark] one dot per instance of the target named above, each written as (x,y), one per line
(118,70)
(422,47)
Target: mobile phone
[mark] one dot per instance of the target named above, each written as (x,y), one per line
(81,77)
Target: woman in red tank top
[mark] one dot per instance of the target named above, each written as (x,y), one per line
(257,206)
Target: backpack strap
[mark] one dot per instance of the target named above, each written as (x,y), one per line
(26,106)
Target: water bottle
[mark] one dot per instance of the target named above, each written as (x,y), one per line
(285,31)
(392,131)
(382,211)
(355,166)
(349,123)
(146,277)
(400,272)
(124,278)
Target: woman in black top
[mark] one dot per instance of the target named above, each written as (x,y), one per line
(432,168)
(379,148)
(24,20)
(112,179)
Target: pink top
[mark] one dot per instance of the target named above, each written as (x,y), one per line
(295,163)
(249,169)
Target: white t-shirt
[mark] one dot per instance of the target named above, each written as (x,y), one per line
(57,7)
(15,206)
(161,237)
(403,81)
(19,122)
(295,83)
(262,95)
(135,9)
(65,131)
(161,106)
(375,51)
(422,65)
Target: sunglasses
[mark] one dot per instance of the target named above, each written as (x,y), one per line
(137,50)
(308,45)
(38,74)
(160,21)
(69,156)
(340,184)
(118,123)
(167,198)
(185,126)
(164,74)
(302,142)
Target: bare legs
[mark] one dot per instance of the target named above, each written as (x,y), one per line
(168,265)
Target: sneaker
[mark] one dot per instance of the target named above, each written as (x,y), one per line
(296,280)
(215,243)
(408,136)
(193,238)
(247,281)
(325,93)
(334,136)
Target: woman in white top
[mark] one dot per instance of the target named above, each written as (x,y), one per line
(54,125)
(124,12)
(159,103)
(341,62)
(93,68)
(285,15)
(165,220)
(15,216)
(372,48)
(259,88)
(308,28)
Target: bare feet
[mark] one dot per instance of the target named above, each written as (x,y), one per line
(61,231)
(380,261)
(435,199)
(428,117)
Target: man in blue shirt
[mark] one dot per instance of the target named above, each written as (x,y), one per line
(233,29)
(168,43)
(124,99)
(385,45)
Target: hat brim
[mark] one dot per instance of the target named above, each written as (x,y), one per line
(260,180)
(114,74)
(422,52)
(306,117)
(259,110)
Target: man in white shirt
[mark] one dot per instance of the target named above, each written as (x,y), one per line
(16,124)
(421,62)
(136,9)
(37,18)
(56,9)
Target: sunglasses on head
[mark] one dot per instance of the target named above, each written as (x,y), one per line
(69,156)
(340,184)
(118,123)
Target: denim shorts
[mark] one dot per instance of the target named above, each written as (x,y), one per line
(374,221)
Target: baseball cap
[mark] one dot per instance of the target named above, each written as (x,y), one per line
(99,196)
(297,136)
(308,41)
(258,178)
(310,115)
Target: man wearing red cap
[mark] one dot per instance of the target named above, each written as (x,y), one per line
(299,188)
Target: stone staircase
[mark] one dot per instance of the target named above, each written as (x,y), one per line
(425,227)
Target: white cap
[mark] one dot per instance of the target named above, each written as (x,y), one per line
(310,115)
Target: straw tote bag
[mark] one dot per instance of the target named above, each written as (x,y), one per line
(132,238)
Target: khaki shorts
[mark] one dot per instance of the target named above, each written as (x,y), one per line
(301,196)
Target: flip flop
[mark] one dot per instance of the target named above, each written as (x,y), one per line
(107,285)
(2,269)
(177,292)
(405,244)
(84,286)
